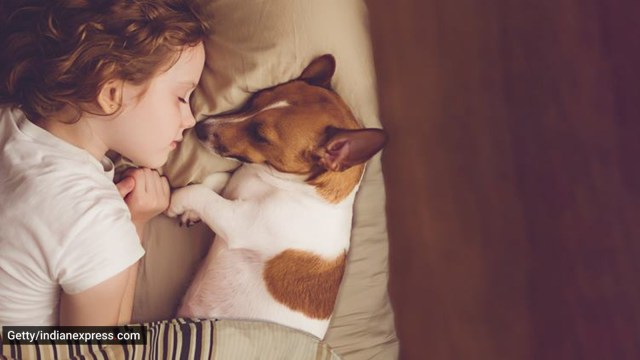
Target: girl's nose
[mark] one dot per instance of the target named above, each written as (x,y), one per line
(189,121)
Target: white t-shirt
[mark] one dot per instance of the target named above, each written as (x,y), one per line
(63,224)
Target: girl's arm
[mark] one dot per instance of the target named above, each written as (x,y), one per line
(126,309)
(111,302)
(99,305)
(106,304)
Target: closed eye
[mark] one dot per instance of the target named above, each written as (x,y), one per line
(182,100)
(254,132)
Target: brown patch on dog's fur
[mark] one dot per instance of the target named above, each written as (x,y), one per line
(335,186)
(305,282)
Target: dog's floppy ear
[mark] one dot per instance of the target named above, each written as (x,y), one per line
(346,148)
(320,71)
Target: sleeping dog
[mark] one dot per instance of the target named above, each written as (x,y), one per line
(283,222)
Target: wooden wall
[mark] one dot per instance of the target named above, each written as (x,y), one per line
(513,176)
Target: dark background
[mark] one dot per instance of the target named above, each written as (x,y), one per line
(513,176)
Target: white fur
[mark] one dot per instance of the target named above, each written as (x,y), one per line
(263,212)
(275,105)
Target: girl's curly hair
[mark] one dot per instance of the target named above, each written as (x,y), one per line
(57,54)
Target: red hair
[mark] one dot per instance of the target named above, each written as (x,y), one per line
(57,54)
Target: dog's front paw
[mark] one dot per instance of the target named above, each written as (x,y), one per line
(184,204)
(189,218)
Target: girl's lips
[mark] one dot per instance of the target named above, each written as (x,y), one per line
(174,143)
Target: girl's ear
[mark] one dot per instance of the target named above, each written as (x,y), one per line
(110,96)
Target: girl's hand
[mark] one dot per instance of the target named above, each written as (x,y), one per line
(145,192)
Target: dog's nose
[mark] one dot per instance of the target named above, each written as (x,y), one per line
(201,131)
(220,148)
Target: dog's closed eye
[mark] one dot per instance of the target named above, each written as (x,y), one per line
(255,133)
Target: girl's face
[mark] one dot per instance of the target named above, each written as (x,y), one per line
(150,126)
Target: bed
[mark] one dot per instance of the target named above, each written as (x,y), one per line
(257,44)
(192,339)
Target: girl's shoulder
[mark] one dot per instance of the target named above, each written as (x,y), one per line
(35,163)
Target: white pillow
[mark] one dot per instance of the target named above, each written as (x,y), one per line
(257,44)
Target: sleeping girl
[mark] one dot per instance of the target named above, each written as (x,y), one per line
(79,78)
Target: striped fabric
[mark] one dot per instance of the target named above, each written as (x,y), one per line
(193,339)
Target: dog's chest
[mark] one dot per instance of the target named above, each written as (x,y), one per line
(291,215)
(246,184)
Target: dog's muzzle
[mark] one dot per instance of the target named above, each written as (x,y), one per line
(201,129)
